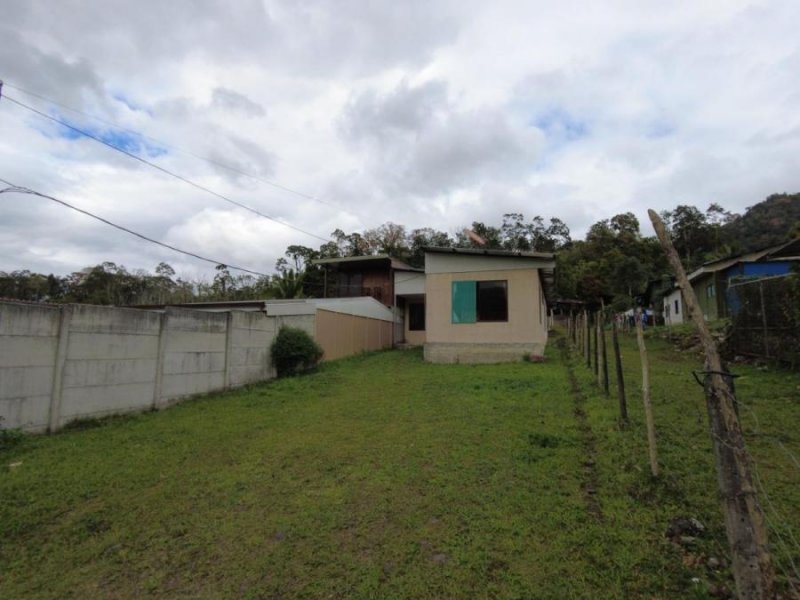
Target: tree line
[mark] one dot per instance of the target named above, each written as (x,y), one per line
(614,261)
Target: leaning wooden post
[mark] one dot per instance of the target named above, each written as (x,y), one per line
(603,351)
(744,520)
(623,405)
(648,407)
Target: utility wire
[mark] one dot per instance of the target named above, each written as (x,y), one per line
(162,169)
(178,148)
(23,190)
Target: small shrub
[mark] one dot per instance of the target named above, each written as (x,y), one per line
(293,351)
(9,437)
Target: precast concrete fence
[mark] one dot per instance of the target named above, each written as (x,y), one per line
(61,363)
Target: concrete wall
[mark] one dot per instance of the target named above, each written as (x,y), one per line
(343,335)
(58,364)
(28,343)
(61,363)
(250,337)
(194,353)
(106,362)
(525,332)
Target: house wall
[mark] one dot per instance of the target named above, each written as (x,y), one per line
(375,282)
(525,332)
(343,335)
(414,338)
(408,283)
(714,307)
(670,316)
(759,269)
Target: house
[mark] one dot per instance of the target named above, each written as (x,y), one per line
(467,305)
(355,276)
(673,308)
(712,280)
(485,306)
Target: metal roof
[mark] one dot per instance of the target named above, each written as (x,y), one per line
(490,252)
(394,263)
(777,252)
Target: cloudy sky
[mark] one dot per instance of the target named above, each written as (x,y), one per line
(425,113)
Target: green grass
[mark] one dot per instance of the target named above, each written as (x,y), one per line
(382,476)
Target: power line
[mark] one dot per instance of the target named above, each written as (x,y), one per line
(162,169)
(23,190)
(212,161)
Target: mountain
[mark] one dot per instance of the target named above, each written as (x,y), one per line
(766,224)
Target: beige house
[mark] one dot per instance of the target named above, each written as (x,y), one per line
(485,306)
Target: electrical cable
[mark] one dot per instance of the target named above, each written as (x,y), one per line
(178,148)
(23,190)
(162,169)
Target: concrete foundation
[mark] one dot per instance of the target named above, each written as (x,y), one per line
(480,353)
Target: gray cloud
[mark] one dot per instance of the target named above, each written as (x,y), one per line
(226,99)
(420,143)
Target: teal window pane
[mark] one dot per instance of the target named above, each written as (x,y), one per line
(464,302)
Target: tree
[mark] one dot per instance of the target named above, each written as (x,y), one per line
(288,285)
(223,282)
(689,231)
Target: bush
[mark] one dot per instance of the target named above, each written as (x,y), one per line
(9,437)
(293,351)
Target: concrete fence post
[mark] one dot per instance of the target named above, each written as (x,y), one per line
(160,358)
(62,346)
(228,348)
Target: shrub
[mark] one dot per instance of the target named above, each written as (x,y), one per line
(9,437)
(293,351)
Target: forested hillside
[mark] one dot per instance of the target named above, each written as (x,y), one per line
(765,224)
(614,261)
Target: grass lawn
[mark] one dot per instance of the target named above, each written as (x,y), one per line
(382,476)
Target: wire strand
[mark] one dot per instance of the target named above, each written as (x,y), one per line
(23,190)
(162,169)
(212,161)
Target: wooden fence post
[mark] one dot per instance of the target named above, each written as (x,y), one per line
(648,407)
(603,351)
(587,347)
(599,353)
(744,519)
(594,345)
(623,405)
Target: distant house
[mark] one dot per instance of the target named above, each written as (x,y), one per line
(710,281)
(356,276)
(486,305)
(673,308)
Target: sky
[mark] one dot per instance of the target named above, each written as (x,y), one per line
(345,114)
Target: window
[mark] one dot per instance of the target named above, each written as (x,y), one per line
(479,301)
(677,307)
(710,291)
(416,316)
(492,301)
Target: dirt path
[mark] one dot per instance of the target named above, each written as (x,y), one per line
(590,478)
